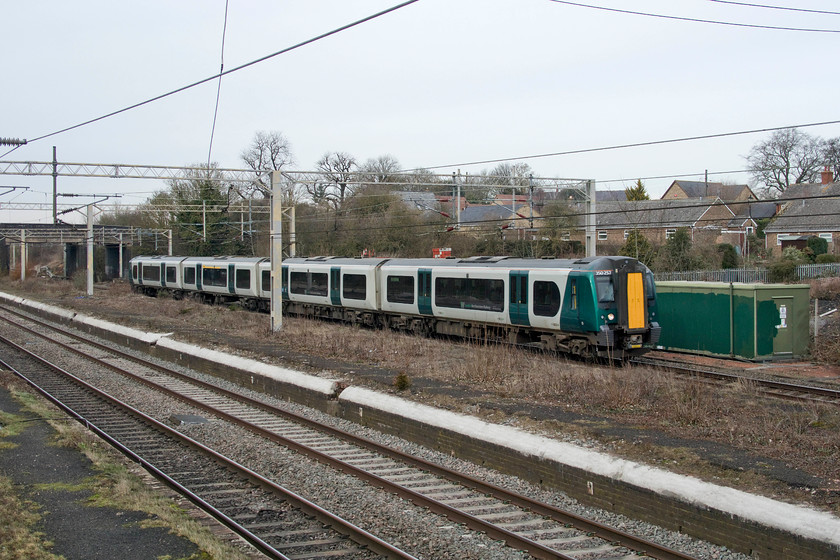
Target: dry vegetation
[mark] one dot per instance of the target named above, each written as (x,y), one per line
(804,437)
(827,290)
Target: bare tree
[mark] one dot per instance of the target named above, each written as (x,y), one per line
(337,170)
(269,151)
(789,157)
(381,170)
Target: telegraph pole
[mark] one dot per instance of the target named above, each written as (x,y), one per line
(55,188)
(276,252)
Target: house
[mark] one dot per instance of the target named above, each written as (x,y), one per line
(706,219)
(807,211)
(422,201)
(447,203)
(704,189)
(490,217)
(745,222)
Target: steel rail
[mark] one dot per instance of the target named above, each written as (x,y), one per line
(342,526)
(581,523)
(793,391)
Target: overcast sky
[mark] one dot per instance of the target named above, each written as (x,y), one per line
(436,83)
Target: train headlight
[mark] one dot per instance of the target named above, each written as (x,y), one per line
(611,317)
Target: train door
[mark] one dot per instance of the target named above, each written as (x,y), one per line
(163,274)
(424,291)
(231,279)
(519,297)
(636,301)
(335,285)
(198,277)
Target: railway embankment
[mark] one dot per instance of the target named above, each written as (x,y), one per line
(756,525)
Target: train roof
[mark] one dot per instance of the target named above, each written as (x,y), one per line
(223,259)
(589,263)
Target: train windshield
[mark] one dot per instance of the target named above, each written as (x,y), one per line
(605,288)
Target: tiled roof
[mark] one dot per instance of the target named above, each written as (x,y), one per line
(818,214)
(423,201)
(610,195)
(701,189)
(671,213)
(483,213)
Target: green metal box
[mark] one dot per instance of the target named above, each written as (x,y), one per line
(751,321)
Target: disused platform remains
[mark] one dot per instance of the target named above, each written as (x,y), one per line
(26,248)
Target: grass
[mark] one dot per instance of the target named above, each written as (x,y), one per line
(806,437)
(19,538)
(117,484)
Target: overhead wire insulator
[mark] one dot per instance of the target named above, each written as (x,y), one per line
(12,142)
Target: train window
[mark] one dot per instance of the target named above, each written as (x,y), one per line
(298,283)
(189,275)
(266,280)
(354,286)
(605,288)
(318,284)
(243,279)
(151,273)
(546,298)
(170,274)
(308,283)
(134,272)
(482,294)
(214,277)
(400,289)
(650,286)
(574,294)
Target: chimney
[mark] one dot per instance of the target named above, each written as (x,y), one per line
(827,176)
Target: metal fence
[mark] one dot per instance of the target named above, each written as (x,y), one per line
(749,275)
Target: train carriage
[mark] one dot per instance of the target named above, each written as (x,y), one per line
(157,272)
(332,288)
(224,279)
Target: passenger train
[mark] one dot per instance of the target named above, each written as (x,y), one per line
(592,307)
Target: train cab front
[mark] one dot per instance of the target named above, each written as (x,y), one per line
(627,302)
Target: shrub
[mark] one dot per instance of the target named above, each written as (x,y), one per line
(826,258)
(728,255)
(402,382)
(783,270)
(795,255)
(818,245)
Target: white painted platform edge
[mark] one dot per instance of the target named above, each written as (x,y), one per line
(798,520)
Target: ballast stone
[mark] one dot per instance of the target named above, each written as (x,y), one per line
(326,387)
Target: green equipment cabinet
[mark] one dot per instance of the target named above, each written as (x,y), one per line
(750,321)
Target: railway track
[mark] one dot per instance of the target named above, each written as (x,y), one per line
(544,531)
(774,388)
(283,526)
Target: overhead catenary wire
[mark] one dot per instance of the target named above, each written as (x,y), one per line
(630,145)
(227,72)
(769,7)
(219,88)
(696,20)
(573,214)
